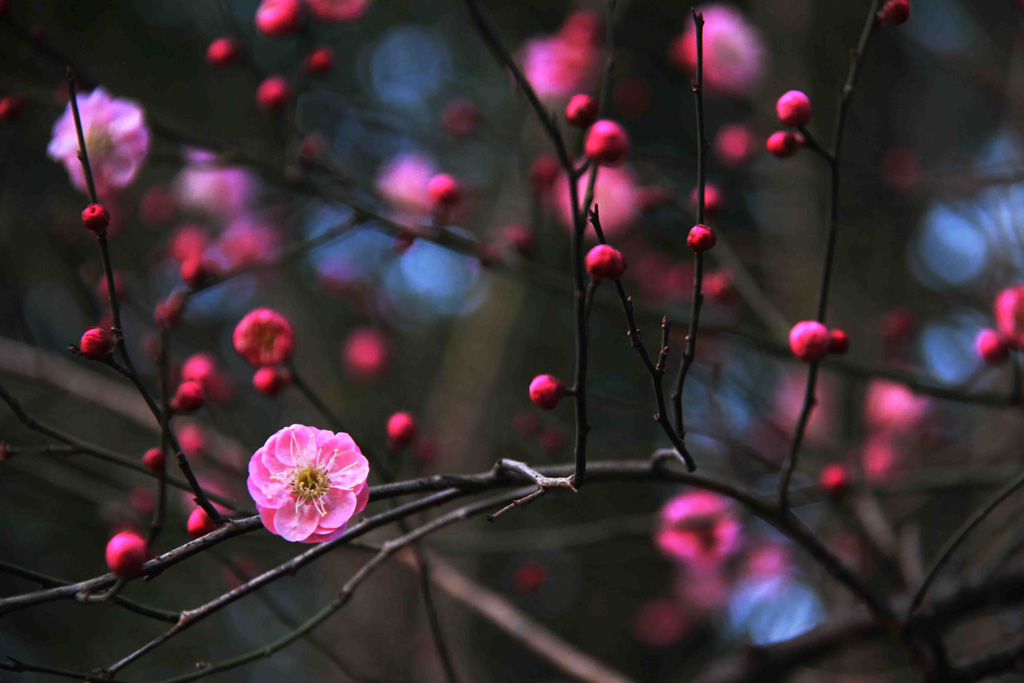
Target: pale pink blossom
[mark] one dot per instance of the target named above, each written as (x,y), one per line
(881,459)
(403,181)
(247,240)
(566,63)
(698,528)
(616,194)
(308,483)
(207,185)
(893,407)
(116,139)
(734,52)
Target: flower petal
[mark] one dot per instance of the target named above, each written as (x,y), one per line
(296,522)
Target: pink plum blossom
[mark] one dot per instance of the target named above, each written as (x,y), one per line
(116,139)
(698,528)
(247,240)
(893,407)
(211,187)
(734,52)
(308,483)
(566,63)
(403,183)
(616,193)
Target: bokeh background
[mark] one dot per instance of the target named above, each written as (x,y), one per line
(930,203)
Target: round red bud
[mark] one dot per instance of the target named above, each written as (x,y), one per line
(1009,314)
(95,218)
(189,396)
(269,380)
(126,553)
(794,109)
(605,263)
(154,461)
(809,341)
(96,343)
(264,337)
(992,347)
(581,111)
(278,17)
(838,342)
(222,52)
(10,107)
(320,61)
(273,93)
(444,190)
(784,143)
(701,238)
(606,143)
(401,429)
(200,524)
(834,480)
(894,12)
(546,391)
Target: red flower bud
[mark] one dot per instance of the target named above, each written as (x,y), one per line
(809,340)
(992,347)
(838,342)
(278,17)
(222,52)
(606,143)
(273,93)
(444,190)
(96,343)
(701,238)
(269,380)
(794,109)
(10,107)
(95,218)
(784,143)
(546,391)
(581,111)
(154,461)
(894,12)
(320,61)
(834,480)
(126,553)
(401,429)
(605,263)
(200,524)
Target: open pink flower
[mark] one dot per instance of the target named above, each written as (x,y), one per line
(308,483)
(734,53)
(206,184)
(116,138)
(698,528)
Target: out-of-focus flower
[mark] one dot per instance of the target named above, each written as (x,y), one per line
(206,185)
(337,10)
(116,139)
(366,354)
(660,622)
(567,62)
(893,407)
(734,52)
(264,337)
(698,528)
(201,367)
(615,194)
(247,240)
(308,483)
(403,183)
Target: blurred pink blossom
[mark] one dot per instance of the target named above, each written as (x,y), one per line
(698,528)
(568,62)
(206,185)
(403,183)
(247,240)
(116,139)
(616,195)
(893,407)
(308,483)
(734,52)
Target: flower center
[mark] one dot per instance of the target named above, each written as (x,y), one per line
(310,483)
